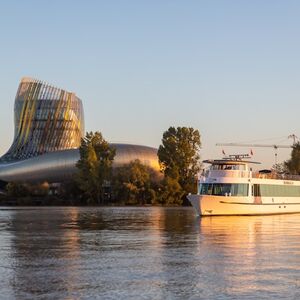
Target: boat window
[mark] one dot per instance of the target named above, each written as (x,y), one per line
(256,190)
(206,189)
(228,167)
(272,190)
(240,167)
(216,167)
(224,189)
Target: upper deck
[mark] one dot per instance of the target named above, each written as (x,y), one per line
(229,168)
(240,169)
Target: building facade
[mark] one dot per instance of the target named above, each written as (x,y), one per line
(47,119)
(49,125)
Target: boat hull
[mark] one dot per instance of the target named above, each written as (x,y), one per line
(218,206)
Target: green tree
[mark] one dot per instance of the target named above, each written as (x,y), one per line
(279,168)
(95,166)
(70,191)
(134,183)
(180,160)
(16,189)
(293,164)
(170,192)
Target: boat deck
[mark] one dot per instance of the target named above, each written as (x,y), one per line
(275,176)
(249,174)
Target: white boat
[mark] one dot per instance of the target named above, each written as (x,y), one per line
(231,188)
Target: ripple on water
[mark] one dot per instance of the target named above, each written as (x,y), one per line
(147,253)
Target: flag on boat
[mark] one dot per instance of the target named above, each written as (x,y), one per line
(251,152)
(223,152)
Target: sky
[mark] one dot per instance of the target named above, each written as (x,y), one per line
(230,69)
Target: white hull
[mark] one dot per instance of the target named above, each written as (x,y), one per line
(214,206)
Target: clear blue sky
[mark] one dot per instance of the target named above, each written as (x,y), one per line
(228,68)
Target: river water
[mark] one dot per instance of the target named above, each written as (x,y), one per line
(146,253)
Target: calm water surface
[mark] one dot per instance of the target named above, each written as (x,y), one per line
(146,253)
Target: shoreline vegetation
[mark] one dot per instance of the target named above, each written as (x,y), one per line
(97,183)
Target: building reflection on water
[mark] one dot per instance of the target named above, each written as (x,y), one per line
(45,252)
(73,253)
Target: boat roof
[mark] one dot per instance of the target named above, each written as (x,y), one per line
(229,162)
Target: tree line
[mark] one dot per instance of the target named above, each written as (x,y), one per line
(135,183)
(98,182)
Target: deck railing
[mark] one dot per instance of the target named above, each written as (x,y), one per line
(250,174)
(273,175)
(230,173)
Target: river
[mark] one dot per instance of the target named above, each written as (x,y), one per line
(146,253)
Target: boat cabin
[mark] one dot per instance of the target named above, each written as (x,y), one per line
(232,166)
(227,165)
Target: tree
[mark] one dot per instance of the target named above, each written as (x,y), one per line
(95,165)
(171,192)
(293,164)
(279,168)
(70,191)
(179,158)
(16,189)
(19,189)
(134,183)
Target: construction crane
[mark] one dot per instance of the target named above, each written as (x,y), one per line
(294,137)
(256,145)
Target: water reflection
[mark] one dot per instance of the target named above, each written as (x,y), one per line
(45,256)
(147,253)
(252,256)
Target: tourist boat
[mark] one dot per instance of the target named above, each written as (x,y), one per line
(230,187)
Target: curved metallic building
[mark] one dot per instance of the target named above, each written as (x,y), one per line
(47,119)
(49,125)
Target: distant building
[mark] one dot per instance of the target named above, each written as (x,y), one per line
(49,125)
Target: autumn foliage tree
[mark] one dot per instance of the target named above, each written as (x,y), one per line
(134,183)
(94,165)
(180,161)
(293,164)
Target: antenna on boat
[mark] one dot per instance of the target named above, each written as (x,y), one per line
(261,145)
(237,156)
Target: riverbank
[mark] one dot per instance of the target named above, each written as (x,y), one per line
(6,200)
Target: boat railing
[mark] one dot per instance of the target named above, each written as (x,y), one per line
(274,175)
(230,173)
(250,174)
